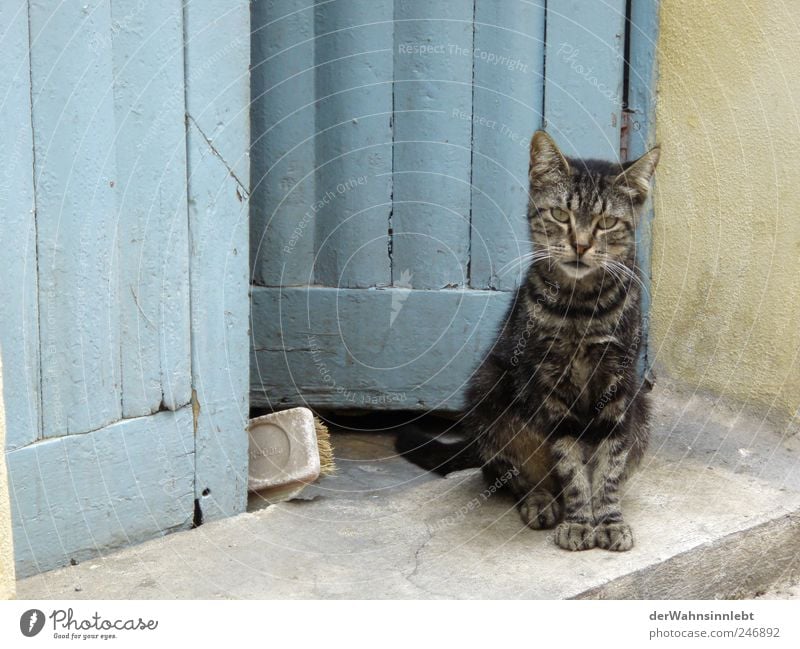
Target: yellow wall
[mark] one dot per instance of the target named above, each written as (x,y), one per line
(6,553)
(726,237)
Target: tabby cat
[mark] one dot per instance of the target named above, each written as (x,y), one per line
(557,409)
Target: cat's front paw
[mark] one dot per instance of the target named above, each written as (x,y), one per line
(540,510)
(616,537)
(575,536)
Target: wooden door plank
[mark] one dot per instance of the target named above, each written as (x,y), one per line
(642,78)
(432,143)
(19,331)
(509,86)
(79,495)
(319,351)
(73,125)
(583,76)
(641,129)
(283,110)
(351,349)
(218,46)
(147,48)
(353,66)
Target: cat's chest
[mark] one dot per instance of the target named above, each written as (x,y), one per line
(587,362)
(581,367)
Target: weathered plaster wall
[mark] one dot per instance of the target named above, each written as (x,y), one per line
(6,550)
(726,238)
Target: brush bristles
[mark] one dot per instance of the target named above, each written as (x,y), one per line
(326,464)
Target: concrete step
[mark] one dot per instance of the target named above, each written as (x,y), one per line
(707,525)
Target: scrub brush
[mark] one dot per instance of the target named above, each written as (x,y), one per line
(288,450)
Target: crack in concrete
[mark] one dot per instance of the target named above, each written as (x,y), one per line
(417,552)
(417,563)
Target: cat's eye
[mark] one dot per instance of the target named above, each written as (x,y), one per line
(606,222)
(560,215)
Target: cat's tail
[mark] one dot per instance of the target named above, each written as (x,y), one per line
(433,453)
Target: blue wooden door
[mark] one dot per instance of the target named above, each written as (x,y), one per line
(390,160)
(124,231)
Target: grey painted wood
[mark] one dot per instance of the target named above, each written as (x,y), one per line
(433,62)
(465,104)
(105,144)
(641,134)
(584,76)
(283,111)
(508,92)
(218,45)
(147,48)
(76,496)
(353,66)
(366,349)
(76,203)
(322,143)
(19,333)
(643,77)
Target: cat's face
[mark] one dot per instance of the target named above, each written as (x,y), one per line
(583,213)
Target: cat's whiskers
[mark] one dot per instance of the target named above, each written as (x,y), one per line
(612,267)
(611,273)
(520,262)
(532,257)
(615,275)
(623,273)
(628,273)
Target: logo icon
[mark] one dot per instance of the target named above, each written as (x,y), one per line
(31,622)
(400,295)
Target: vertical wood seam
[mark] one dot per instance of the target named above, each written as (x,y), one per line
(40,396)
(189,239)
(120,278)
(544,68)
(624,131)
(392,122)
(312,272)
(468,278)
(645,68)
(188,235)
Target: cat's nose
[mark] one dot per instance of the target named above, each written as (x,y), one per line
(580,248)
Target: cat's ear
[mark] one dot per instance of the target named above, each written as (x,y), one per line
(548,165)
(634,181)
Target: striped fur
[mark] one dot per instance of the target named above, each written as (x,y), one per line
(558,396)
